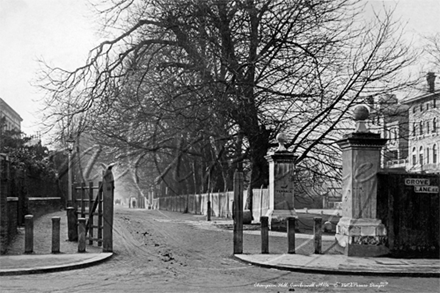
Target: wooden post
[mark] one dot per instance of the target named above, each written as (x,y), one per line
(28,234)
(72,230)
(108,198)
(291,235)
(56,234)
(317,232)
(83,195)
(100,214)
(81,235)
(261,200)
(208,212)
(90,222)
(219,204)
(264,222)
(238,212)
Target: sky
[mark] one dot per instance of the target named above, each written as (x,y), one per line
(61,32)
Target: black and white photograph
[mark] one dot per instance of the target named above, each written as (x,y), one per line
(219,146)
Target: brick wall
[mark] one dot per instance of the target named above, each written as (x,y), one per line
(12,203)
(3,203)
(38,206)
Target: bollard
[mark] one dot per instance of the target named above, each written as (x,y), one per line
(264,222)
(56,234)
(291,235)
(238,212)
(81,235)
(28,234)
(208,217)
(72,230)
(317,232)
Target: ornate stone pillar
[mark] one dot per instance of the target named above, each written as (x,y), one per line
(281,195)
(358,231)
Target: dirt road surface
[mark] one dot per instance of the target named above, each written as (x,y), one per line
(158,251)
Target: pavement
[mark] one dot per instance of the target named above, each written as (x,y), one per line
(41,262)
(15,262)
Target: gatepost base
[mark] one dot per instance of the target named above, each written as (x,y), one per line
(362,237)
(278,219)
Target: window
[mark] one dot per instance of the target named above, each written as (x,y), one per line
(421,155)
(427,126)
(433,104)
(414,157)
(393,134)
(421,127)
(427,155)
(434,125)
(414,129)
(414,109)
(421,107)
(434,154)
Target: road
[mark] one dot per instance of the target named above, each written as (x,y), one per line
(158,251)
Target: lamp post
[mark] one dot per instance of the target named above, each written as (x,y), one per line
(70,145)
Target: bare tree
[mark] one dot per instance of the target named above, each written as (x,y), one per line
(180,72)
(433,49)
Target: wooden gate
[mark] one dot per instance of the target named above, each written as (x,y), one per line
(96,205)
(408,205)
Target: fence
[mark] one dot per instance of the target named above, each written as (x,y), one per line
(221,203)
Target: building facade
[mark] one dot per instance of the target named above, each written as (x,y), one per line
(12,120)
(411,127)
(390,119)
(424,140)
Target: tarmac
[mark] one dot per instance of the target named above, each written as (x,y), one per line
(13,264)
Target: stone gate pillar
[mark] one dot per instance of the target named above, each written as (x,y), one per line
(358,231)
(281,196)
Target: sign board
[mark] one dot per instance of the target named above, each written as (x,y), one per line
(416,181)
(426,189)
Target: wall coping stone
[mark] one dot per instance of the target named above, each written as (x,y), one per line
(43,198)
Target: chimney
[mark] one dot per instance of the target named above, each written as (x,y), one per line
(430,78)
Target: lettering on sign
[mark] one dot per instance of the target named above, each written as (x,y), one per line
(416,181)
(283,190)
(426,189)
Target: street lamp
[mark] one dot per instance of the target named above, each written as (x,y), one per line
(70,145)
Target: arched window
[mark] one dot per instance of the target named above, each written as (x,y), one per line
(421,127)
(427,155)
(414,157)
(434,154)
(421,155)
(414,129)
